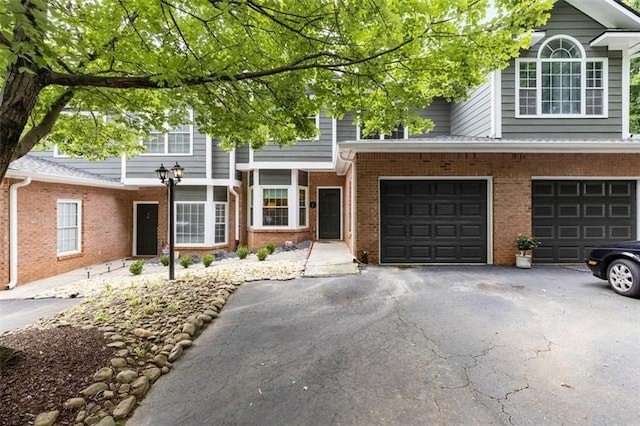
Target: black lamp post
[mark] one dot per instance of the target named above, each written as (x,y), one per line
(171,181)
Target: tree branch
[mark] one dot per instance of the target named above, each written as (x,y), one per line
(36,133)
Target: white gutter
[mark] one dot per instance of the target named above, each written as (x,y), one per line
(349,149)
(13,231)
(232,176)
(69,180)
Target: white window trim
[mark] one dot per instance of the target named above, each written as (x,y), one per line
(256,195)
(381,137)
(59,154)
(79,228)
(306,208)
(317,117)
(583,83)
(214,223)
(175,222)
(166,143)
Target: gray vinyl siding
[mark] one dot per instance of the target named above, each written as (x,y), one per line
(110,167)
(472,117)
(190,193)
(440,113)
(320,150)
(275,177)
(144,166)
(567,20)
(346,128)
(220,161)
(242,154)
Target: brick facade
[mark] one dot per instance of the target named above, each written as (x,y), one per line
(511,177)
(105,229)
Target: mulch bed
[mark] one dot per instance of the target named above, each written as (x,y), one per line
(55,365)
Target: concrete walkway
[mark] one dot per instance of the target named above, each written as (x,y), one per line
(330,258)
(326,258)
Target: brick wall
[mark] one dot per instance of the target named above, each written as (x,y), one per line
(4,231)
(319,180)
(105,228)
(511,174)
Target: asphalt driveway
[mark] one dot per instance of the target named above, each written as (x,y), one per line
(16,313)
(428,345)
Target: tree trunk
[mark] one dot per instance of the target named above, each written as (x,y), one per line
(19,96)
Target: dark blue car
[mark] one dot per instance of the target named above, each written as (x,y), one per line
(618,263)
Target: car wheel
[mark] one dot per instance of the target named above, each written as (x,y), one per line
(624,277)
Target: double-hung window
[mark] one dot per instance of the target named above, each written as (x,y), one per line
(561,82)
(174,140)
(190,223)
(399,132)
(69,217)
(275,206)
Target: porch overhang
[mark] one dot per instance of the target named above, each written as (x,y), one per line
(618,40)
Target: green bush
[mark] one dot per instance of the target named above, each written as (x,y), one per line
(136,267)
(262,253)
(186,260)
(207,259)
(242,252)
(270,247)
(164,259)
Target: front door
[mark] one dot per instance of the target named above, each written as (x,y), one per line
(329,214)
(146,229)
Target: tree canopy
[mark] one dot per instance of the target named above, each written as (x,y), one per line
(252,70)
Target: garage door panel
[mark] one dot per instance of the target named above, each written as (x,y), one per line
(616,210)
(621,233)
(419,209)
(543,210)
(621,189)
(569,189)
(571,217)
(446,221)
(417,231)
(394,231)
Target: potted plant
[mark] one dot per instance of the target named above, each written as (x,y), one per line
(525,244)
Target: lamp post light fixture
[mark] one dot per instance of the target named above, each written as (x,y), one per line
(170,178)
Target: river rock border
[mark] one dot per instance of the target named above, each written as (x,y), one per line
(149,324)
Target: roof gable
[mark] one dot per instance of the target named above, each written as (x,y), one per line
(612,14)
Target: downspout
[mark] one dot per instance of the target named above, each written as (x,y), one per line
(232,177)
(13,231)
(354,209)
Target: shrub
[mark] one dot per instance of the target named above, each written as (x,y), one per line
(242,252)
(262,253)
(186,260)
(526,243)
(136,267)
(270,247)
(164,259)
(207,259)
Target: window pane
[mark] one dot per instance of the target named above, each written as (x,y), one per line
(190,223)
(275,211)
(220,223)
(561,81)
(68,230)
(302,207)
(154,143)
(179,143)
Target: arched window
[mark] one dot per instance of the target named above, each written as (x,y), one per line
(562,81)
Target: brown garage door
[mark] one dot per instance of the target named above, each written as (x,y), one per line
(433,221)
(571,217)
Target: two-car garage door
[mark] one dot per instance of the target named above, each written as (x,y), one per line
(433,221)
